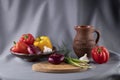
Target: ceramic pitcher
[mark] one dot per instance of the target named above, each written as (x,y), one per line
(85,40)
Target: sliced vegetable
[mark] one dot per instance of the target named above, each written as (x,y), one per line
(33,50)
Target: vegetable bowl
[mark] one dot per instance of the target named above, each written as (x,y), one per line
(32,57)
(31,49)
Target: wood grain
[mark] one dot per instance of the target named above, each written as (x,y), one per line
(61,68)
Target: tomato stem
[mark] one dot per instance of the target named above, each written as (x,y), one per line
(14,42)
(26,36)
(99,50)
(40,38)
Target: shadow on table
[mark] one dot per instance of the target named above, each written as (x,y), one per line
(111,77)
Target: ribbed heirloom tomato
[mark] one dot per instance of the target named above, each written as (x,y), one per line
(100,54)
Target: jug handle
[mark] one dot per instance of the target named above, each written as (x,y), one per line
(98,36)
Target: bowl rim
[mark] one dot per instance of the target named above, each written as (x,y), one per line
(22,54)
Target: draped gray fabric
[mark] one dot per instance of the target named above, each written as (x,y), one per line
(56,19)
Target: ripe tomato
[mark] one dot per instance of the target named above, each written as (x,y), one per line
(27,38)
(100,54)
(20,47)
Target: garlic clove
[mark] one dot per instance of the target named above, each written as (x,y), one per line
(84,58)
(47,49)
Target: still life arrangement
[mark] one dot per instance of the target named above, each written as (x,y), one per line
(58,59)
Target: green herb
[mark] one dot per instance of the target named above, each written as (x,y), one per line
(69,61)
(64,50)
(76,62)
(73,61)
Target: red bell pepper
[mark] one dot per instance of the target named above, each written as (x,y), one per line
(27,38)
(20,47)
(100,54)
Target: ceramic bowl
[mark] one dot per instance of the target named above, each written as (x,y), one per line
(33,57)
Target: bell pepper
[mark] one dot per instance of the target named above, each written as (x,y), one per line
(20,47)
(100,54)
(43,41)
(27,38)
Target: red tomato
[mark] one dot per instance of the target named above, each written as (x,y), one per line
(27,38)
(20,47)
(100,54)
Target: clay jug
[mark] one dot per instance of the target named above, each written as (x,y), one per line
(84,40)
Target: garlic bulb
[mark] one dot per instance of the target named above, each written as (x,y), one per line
(47,49)
(84,58)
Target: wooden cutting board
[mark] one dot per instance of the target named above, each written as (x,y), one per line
(63,67)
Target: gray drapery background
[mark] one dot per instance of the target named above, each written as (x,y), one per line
(56,19)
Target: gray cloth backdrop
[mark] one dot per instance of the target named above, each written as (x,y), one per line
(56,19)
